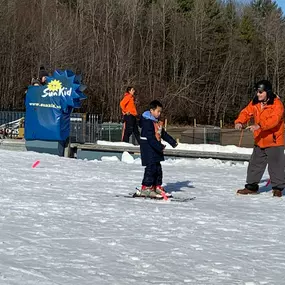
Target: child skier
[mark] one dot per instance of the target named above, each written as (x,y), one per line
(152,151)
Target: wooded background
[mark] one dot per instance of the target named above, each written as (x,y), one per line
(199,57)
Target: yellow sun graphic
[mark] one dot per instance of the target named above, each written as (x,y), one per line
(54,85)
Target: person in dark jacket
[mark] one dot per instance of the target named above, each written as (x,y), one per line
(43,74)
(152,151)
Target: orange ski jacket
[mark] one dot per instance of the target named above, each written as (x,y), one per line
(127,105)
(271,122)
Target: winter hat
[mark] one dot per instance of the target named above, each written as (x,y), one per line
(264,85)
(42,72)
(35,82)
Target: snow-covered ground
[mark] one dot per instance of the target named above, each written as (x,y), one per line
(62,224)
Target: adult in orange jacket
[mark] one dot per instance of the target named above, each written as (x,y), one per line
(268,129)
(130,113)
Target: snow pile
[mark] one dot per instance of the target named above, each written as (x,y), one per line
(110,158)
(107,143)
(212,148)
(127,158)
(191,147)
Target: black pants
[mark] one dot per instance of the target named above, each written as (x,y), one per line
(130,127)
(152,175)
(274,157)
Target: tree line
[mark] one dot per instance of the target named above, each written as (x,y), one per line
(199,57)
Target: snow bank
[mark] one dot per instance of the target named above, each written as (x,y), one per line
(115,143)
(212,148)
(127,158)
(109,158)
(192,147)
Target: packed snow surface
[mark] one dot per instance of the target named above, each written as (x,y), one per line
(61,223)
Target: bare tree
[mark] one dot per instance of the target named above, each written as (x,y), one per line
(200,58)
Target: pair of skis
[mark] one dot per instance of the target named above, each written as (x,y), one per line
(163,198)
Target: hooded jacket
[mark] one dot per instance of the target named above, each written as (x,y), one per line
(152,132)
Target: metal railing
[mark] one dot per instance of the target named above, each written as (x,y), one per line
(202,135)
(89,128)
(10,123)
(10,116)
(84,128)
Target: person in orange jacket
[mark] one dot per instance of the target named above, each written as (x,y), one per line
(130,116)
(268,129)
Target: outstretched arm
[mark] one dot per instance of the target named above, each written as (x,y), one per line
(166,137)
(245,114)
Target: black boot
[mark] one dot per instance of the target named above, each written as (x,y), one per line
(277,193)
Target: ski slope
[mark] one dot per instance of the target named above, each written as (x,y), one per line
(62,224)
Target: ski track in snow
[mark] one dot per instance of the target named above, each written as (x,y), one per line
(62,224)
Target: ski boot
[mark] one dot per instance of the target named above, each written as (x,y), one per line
(161,191)
(148,192)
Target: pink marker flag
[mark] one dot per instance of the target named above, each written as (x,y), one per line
(35,164)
